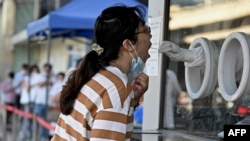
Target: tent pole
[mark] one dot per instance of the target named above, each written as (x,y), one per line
(30,105)
(49,47)
(47,77)
(48,61)
(28,51)
(29,64)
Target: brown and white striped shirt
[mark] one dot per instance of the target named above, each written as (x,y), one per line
(103,110)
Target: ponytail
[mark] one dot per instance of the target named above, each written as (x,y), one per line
(86,69)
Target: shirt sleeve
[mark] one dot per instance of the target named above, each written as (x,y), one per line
(17,80)
(7,87)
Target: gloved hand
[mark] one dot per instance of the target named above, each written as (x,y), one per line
(175,53)
(199,58)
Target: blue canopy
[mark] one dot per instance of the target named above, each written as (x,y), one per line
(77,18)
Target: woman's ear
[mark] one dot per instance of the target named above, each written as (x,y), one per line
(127,45)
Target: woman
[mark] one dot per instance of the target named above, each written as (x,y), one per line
(97,102)
(29,92)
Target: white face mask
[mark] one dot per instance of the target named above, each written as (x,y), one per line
(137,65)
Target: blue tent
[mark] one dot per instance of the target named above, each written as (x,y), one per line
(76,18)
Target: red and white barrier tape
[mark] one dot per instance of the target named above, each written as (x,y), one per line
(29,115)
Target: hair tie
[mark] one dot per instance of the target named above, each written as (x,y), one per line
(97,48)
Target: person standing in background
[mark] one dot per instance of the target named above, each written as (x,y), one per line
(97,101)
(30,91)
(172,90)
(45,80)
(48,73)
(56,97)
(9,96)
(17,82)
(55,90)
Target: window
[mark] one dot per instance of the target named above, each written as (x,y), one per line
(213,20)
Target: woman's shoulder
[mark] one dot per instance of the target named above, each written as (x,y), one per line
(114,74)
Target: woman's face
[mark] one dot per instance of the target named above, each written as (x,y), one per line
(143,43)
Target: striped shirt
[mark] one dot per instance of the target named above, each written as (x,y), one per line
(103,110)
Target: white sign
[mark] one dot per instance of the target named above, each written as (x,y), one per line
(152,63)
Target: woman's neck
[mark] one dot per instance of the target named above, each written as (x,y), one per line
(122,65)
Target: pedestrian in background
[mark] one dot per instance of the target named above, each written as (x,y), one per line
(98,101)
(56,96)
(9,96)
(55,90)
(17,82)
(172,91)
(31,90)
(45,80)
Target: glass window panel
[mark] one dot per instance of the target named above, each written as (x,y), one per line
(214,20)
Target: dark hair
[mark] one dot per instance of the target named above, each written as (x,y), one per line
(34,67)
(78,62)
(61,74)
(11,74)
(112,27)
(25,66)
(48,65)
